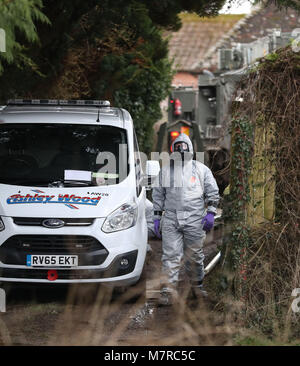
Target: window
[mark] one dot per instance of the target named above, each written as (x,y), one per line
(39,154)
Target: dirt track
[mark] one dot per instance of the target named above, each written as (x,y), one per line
(90,315)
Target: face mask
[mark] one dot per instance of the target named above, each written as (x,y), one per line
(181,147)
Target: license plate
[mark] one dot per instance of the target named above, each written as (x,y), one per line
(36,260)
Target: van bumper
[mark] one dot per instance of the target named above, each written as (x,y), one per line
(115,272)
(115,259)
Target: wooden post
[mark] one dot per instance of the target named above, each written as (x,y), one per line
(269,201)
(257,180)
(262,181)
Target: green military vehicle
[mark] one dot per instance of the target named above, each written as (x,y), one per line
(203,113)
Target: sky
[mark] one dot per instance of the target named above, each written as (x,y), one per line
(239,7)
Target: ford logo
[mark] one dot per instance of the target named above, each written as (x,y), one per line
(53,223)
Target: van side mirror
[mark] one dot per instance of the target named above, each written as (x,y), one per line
(152,171)
(152,168)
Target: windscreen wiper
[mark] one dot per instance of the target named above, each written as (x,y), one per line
(56,184)
(76,183)
(70,183)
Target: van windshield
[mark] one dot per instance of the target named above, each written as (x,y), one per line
(58,155)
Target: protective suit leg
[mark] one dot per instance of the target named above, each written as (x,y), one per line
(194,238)
(194,266)
(172,246)
(194,261)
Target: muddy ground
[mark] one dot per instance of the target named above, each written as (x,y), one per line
(94,316)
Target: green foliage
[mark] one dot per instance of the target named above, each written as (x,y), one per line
(271,268)
(235,204)
(142,97)
(165,12)
(104,51)
(272,56)
(18,18)
(140,75)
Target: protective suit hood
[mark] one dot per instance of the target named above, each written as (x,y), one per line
(187,155)
(184,138)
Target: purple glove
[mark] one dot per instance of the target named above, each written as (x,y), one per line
(156,228)
(208,221)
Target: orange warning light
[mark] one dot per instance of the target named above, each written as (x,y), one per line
(174,134)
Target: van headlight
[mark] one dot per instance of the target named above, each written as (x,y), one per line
(122,218)
(2,227)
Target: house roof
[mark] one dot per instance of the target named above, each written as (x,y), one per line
(262,21)
(197,35)
(195,45)
(259,23)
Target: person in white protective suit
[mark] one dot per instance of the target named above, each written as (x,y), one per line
(188,194)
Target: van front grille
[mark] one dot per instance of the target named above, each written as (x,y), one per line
(37,221)
(89,250)
(49,243)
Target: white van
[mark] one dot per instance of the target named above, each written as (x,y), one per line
(72,203)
